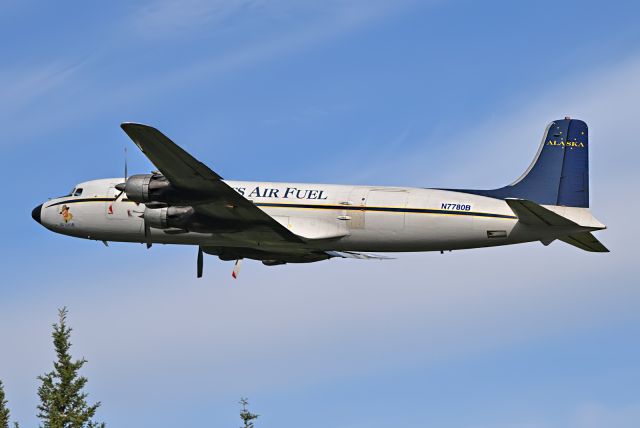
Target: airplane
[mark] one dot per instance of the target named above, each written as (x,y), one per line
(185,202)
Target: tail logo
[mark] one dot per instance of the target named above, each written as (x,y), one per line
(570,144)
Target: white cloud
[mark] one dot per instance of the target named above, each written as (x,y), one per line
(335,19)
(166,18)
(586,415)
(597,415)
(22,87)
(497,150)
(170,18)
(81,91)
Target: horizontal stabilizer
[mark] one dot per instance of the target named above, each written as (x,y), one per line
(585,241)
(354,255)
(535,215)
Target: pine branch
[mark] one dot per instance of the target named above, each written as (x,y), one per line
(246,416)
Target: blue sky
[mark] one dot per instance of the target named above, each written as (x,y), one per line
(418,93)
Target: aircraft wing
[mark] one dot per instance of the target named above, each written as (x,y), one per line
(187,173)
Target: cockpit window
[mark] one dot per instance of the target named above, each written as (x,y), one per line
(77,192)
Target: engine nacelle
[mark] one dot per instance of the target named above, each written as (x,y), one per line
(169,217)
(149,187)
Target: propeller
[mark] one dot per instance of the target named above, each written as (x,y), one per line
(200,262)
(121,186)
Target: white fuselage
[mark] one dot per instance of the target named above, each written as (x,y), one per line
(329,217)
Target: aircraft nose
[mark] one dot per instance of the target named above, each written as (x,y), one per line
(37,213)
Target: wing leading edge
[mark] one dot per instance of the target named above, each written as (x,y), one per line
(187,173)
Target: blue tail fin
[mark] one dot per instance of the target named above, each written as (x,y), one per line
(559,174)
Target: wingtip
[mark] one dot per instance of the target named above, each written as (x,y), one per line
(134,128)
(125,125)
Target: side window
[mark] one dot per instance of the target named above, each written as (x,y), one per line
(78,191)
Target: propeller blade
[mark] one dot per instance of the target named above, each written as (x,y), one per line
(200,262)
(122,186)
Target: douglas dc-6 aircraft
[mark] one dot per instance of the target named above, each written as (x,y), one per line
(185,202)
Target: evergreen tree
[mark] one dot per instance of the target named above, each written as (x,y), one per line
(62,400)
(246,416)
(4,410)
